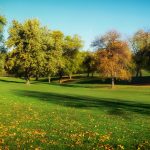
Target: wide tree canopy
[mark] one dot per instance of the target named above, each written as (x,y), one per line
(25,42)
(114,56)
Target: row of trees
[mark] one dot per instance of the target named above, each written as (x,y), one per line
(36,51)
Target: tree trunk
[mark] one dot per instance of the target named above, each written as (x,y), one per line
(60,81)
(49,79)
(37,77)
(112,82)
(27,76)
(88,74)
(138,72)
(92,74)
(27,81)
(70,77)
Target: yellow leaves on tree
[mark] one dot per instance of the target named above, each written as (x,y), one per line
(114,57)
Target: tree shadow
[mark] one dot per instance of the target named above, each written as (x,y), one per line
(11,81)
(145,80)
(116,107)
(84,85)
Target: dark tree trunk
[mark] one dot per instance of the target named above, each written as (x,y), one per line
(60,81)
(60,78)
(92,74)
(138,72)
(37,77)
(27,76)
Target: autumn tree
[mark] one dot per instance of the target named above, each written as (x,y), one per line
(114,56)
(25,42)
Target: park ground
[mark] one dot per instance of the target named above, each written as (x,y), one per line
(73,115)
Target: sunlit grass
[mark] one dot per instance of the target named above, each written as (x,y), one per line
(73,116)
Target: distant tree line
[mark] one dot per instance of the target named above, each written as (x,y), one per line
(36,51)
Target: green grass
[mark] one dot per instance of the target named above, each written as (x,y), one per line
(73,116)
(145,73)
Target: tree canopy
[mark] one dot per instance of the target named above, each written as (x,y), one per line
(141,49)
(36,51)
(114,57)
(25,40)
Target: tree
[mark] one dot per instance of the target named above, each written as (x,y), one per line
(2,22)
(114,57)
(71,49)
(52,53)
(25,42)
(90,63)
(56,58)
(3,49)
(141,50)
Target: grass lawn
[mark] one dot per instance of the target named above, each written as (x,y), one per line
(73,116)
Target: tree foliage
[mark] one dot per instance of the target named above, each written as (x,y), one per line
(3,49)
(141,49)
(72,46)
(36,51)
(114,57)
(90,63)
(25,40)
(53,52)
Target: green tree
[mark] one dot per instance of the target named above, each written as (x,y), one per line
(2,24)
(71,49)
(52,53)
(3,49)
(25,42)
(57,61)
(141,51)
(89,63)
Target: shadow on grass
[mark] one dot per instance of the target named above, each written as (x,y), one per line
(84,85)
(112,106)
(84,82)
(11,81)
(134,81)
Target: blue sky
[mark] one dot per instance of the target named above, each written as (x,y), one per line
(88,18)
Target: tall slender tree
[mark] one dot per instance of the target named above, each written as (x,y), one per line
(57,52)
(52,53)
(71,49)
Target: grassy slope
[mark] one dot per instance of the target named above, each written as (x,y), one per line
(75,116)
